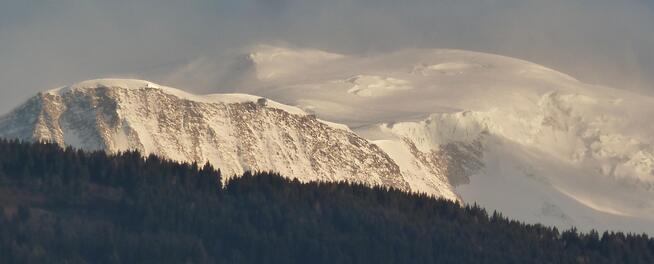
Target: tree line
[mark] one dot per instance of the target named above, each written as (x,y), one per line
(69,206)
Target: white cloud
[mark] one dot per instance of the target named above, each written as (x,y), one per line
(48,43)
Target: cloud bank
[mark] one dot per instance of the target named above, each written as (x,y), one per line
(48,43)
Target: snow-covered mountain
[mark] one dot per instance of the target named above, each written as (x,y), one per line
(531,142)
(513,136)
(235,132)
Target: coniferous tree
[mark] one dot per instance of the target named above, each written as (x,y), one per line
(67,206)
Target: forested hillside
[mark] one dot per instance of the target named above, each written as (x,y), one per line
(67,206)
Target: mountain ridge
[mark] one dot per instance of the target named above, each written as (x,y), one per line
(235,132)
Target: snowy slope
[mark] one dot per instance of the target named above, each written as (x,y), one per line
(235,132)
(511,135)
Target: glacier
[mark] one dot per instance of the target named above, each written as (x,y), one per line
(514,136)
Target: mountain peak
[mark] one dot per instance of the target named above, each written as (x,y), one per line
(106,83)
(115,84)
(128,87)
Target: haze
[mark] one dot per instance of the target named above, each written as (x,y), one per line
(45,44)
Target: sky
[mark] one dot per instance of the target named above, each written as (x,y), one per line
(48,43)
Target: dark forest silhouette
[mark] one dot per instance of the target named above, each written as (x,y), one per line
(68,206)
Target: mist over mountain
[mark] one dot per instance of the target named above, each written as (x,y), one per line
(52,43)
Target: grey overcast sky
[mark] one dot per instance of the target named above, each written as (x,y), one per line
(48,43)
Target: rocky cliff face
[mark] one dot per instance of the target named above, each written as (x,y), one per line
(234,132)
